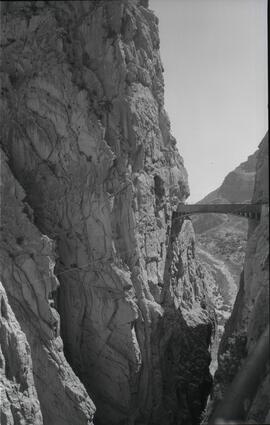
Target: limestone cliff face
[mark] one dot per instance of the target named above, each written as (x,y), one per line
(19,401)
(250,315)
(30,343)
(87,137)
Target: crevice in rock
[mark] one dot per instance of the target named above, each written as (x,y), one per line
(159,191)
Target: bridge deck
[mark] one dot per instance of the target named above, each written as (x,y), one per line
(246,210)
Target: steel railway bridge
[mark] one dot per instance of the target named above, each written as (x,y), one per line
(252,211)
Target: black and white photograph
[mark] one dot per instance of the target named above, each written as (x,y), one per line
(134,212)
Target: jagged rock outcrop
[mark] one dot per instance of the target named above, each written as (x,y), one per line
(27,263)
(250,315)
(19,401)
(87,137)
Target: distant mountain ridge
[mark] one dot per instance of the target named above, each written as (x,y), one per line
(238,185)
(221,239)
(225,235)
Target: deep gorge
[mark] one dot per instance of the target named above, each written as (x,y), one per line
(106,316)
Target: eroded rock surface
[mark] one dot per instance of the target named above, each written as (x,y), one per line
(19,401)
(250,315)
(87,137)
(27,264)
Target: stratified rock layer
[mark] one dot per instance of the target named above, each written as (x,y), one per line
(250,315)
(88,139)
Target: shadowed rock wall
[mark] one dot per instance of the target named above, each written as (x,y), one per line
(250,315)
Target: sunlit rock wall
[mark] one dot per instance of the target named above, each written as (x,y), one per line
(87,137)
(19,401)
(34,346)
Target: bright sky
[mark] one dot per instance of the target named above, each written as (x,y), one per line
(215,57)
